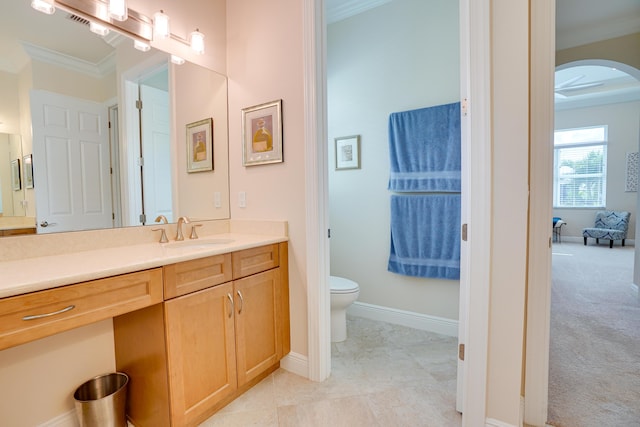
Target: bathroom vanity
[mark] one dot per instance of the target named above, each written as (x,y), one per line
(195,323)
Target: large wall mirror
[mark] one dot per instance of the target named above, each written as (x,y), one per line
(99,132)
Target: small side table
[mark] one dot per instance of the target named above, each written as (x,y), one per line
(557,230)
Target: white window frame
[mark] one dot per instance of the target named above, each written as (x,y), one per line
(578,142)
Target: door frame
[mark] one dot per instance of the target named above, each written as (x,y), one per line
(477,89)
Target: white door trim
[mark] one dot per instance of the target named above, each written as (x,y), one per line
(541,175)
(477,15)
(317,209)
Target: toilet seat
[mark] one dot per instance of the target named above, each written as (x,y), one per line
(340,285)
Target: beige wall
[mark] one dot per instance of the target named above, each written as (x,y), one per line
(207,98)
(39,378)
(9,103)
(621,49)
(264,66)
(362,90)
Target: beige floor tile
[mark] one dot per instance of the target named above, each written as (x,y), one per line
(382,375)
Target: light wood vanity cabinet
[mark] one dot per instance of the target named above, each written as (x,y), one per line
(225,330)
(35,315)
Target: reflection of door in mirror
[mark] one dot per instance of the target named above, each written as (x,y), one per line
(71,150)
(151,175)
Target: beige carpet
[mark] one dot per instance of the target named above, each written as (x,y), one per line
(594,375)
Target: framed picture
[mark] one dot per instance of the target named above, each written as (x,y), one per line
(200,146)
(27,164)
(16,184)
(262,134)
(348,152)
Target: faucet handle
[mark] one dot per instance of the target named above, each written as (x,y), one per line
(163,236)
(162,218)
(194,235)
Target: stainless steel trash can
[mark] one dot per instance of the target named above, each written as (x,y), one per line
(101,401)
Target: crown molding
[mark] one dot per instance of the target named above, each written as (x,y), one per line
(346,9)
(96,70)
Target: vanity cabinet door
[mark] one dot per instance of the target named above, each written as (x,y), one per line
(200,352)
(258,339)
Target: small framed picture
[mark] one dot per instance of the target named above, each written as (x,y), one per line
(16,183)
(27,164)
(348,152)
(262,134)
(200,146)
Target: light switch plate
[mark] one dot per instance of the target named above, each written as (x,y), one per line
(242,199)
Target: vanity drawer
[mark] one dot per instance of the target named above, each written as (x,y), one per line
(39,314)
(255,260)
(190,276)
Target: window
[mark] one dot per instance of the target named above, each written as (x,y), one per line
(580,167)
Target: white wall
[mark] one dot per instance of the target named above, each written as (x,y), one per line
(624,137)
(400,56)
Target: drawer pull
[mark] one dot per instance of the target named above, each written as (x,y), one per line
(40,316)
(241,302)
(231,301)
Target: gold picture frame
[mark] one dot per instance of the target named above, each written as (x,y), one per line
(200,146)
(347,152)
(262,134)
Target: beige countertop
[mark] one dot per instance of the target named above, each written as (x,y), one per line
(45,272)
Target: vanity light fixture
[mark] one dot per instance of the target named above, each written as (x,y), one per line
(118,10)
(161,27)
(98,29)
(44,6)
(177,60)
(197,42)
(141,46)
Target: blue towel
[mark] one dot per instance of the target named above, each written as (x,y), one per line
(425,235)
(424,149)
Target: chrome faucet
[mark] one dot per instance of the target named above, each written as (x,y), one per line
(181,220)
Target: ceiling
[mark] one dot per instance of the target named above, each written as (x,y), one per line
(20,23)
(578,22)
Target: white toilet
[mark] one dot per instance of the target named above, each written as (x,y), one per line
(343,293)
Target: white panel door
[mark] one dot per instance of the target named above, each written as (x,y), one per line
(156,151)
(72,174)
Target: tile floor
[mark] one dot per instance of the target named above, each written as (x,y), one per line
(382,375)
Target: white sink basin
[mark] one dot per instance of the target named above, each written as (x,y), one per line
(198,243)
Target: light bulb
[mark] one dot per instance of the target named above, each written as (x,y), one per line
(197,42)
(98,29)
(161,26)
(44,6)
(142,46)
(177,60)
(118,10)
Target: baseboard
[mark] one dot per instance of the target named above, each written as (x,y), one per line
(490,422)
(580,239)
(424,322)
(296,364)
(68,419)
